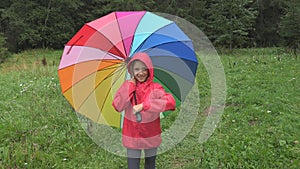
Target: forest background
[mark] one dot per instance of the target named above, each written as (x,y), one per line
(229,24)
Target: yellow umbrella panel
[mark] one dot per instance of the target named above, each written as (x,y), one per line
(90,86)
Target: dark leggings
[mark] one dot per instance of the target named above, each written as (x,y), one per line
(134,156)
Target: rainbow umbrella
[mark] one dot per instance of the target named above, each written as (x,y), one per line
(93,63)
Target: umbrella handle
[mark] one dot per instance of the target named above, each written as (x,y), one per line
(137,114)
(138,117)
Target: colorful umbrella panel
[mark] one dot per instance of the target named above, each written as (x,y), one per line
(93,63)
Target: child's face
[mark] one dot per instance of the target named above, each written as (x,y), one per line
(140,71)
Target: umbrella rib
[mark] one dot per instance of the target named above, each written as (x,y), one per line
(74,44)
(165,44)
(102,60)
(106,52)
(150,36)
(107,68)
(135,32)
(98,85)
(112,55)
(168,43)
(120,33)
(105,99)
(107,39)
(179,74)
(117,71)
(167,87)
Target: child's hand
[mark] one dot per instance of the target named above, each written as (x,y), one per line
(132,80)
(137,108)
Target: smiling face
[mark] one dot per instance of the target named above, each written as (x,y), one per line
(140,71)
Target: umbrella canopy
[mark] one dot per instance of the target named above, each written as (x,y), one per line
(93,63)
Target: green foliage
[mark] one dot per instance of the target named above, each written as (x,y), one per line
(131,5)
(259,128)
(194,11)
(231,22)
(267,22)
(290,25)
(236,23)
(37,24)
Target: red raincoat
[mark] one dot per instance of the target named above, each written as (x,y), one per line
(147,133)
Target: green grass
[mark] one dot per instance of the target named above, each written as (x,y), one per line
(259,128)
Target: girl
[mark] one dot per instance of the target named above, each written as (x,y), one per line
(143,100)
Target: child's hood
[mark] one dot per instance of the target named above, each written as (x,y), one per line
(143,57)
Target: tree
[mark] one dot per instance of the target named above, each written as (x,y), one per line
(131,5)
(290,25)
(64,20)
(267,22)
(231,21)
(38,24)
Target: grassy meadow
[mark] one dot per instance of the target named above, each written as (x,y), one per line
(260,126)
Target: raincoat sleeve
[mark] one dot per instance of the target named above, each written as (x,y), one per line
(159,101)
(123,96)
